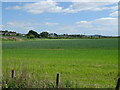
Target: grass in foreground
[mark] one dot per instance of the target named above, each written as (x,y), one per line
(90,63)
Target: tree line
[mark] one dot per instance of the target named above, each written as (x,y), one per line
(33,34)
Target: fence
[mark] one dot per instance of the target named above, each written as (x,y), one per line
(13,75)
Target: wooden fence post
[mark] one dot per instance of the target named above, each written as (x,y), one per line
(57,80)
(13,73)
(118,84)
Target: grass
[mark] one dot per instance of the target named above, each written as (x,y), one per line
(82,63)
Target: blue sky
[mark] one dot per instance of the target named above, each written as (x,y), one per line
(60,17)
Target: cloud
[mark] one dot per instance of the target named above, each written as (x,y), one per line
(17,24)
(1,26)
(106,21)
(50,6)
(84,24)
(105,26)
(99,22)
(114,13)
(91,0)
(49,24)
(28,24)
(62,0)
(67,29)
(14,8)
(24,26)
(39,7)
(91,6)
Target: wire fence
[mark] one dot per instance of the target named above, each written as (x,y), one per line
(56,81)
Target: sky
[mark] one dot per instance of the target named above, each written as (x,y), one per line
(87,18)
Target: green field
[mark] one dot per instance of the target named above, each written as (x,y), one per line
(82,63)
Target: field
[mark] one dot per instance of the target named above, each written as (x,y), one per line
(82,63)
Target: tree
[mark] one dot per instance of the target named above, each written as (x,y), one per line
(35,34)
(44,34)
(55,35)
(31,36)
(6,31)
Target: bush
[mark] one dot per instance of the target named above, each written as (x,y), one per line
(31,36)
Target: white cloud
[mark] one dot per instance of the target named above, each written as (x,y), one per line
(114,7)
(1,26)
(62,0)
(92,0)
(91,6)
(39,7)
(49,24)
(66,29)
(18,24)
(99,22)
(14,8)
(114,13)
(84,24)
(24,26)
(28,24)
(50,6)
(106,22)
(30,28)
(105,26)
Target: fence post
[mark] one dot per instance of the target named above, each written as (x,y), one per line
(13,73)
(118,84)
(57,80)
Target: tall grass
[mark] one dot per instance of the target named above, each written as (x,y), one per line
(64,44)
(90,63)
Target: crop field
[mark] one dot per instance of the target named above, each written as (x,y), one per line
(82,63)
